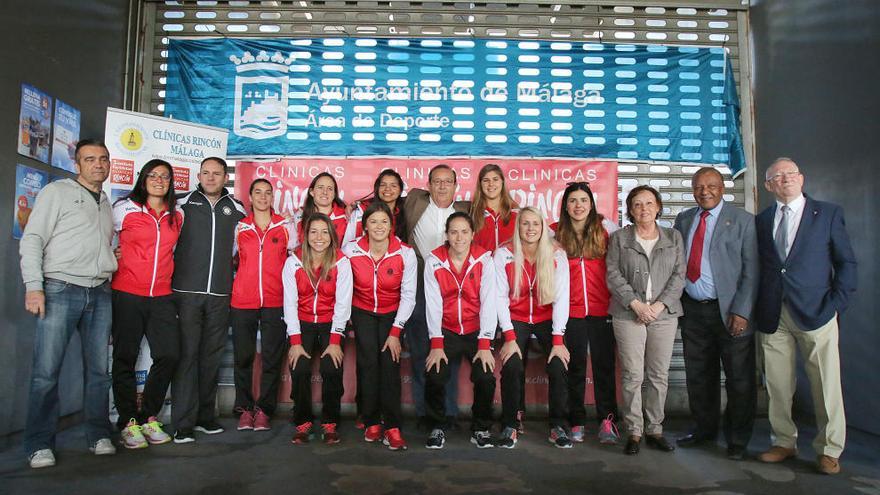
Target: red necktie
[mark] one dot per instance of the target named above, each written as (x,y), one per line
(693,269)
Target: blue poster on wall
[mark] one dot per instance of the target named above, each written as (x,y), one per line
(34,123)
(451,97)
(65,134)
(28,183)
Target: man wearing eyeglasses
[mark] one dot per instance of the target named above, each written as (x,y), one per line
(202,284)
(66,261)
(427,212)
(808,275)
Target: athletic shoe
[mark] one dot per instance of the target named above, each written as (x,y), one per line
(132,437)
(520,417)
(185,435)
(103,447)
(261,421)
(559,438)
(328,433)
(246,420)
(303,433)
(152,431)
(209,427)
(394,440)
(608,434)
(373,433)
(436,440)
(507,440)
(42,458)
(482,439)
(359,423)
(577,434)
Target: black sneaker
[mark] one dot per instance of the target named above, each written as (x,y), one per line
(210,428)
(436,440)
(559,438)
(482,439)
(507,440)
(184,436)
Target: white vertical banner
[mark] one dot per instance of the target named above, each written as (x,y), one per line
(133,139)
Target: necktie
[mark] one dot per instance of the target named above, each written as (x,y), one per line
(781,238)
(696,258)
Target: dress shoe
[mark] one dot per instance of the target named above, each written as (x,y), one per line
(826,464)
(632,446)
(736,452)
(777,454)
(659,442)
(693,440)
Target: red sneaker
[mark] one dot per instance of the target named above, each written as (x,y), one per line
(246,420)
(359,423)
(303,433)
(261,421)
(373,433)
(329,433)
(394,440)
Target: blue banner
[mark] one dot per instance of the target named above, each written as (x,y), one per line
(450,97)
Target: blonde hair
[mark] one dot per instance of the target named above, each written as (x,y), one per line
(478,205)
(328,257)
(544,260)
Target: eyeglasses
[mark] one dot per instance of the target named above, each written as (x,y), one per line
(162,177)
(580,184)
(777,177)
(443,182)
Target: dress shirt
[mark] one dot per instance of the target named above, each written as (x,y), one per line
(704,287)
(794,219)
(430,231)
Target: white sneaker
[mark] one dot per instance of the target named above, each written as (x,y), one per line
(152,431)
(132,438)
(42,458)
(103,447)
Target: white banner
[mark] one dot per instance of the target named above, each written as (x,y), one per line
(135,138)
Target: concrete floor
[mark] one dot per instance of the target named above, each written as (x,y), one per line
(265,462)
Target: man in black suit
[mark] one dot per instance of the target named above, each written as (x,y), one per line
(808,274)
(720,289)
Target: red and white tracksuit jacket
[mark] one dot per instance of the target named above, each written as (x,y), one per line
(527,308)
(147,241)
(326,301)
(495,232)
(340,223)
(261,257)
(589,288)
(386,285)
(460,302)
(355,228)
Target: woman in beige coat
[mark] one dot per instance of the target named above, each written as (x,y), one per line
(646,269)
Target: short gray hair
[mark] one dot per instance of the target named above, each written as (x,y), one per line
(777,160)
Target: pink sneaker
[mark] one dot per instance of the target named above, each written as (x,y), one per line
(246,420)
(261,421)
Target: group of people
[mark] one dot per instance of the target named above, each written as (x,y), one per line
(449,279)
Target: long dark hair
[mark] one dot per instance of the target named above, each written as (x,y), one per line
(309,207)
(139,193)
(328,259)
(590,242)
(397,215)
(478,205)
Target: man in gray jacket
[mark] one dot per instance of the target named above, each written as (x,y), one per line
(721,284)
(66,261)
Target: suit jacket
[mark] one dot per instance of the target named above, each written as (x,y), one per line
(819,275)
(629,269)
(415,205)
(733,254)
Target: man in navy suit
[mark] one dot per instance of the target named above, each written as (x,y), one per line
(808,274)
(720,288)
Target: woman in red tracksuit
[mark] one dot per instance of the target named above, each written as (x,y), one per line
(493,210)
(459,309)
(384,272)
(148,224)
(532,301)
(387,188)
(583,234)
(322,197)
(317,304)
(261,243)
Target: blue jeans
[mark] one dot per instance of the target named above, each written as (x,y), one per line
(70,308)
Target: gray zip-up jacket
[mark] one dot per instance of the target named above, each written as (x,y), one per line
(68,237)
(629,269)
